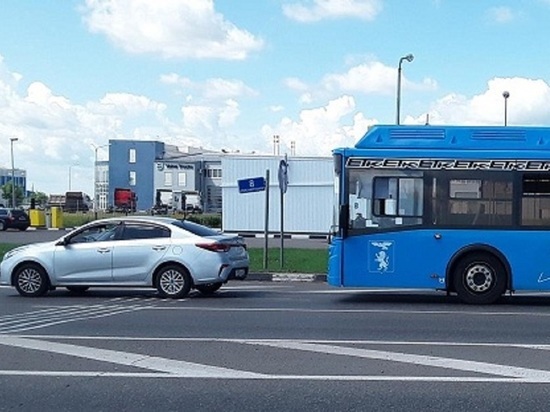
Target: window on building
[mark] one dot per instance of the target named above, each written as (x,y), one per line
(182,179)
(167,178)
(214,173)
(132,156)
(132,178)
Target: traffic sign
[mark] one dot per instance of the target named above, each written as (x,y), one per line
(283,175)
(253,184)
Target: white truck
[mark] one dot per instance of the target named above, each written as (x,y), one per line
(173,201)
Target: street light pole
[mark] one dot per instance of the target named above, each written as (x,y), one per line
(505,95)
(96,198)
(409,58)
(70,177)
(12,139)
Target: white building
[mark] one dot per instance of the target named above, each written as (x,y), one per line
(308,203)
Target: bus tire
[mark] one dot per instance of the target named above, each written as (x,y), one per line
(479,279)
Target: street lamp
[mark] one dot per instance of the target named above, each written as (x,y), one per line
(70,174)
(505,95)
(409,58)
(96,198)
(12,139)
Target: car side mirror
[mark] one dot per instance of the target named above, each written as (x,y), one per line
(62,242)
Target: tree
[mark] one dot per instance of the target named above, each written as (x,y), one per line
(7,193)
(40,198)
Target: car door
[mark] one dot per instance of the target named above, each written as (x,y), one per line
(140,248)
(86,257)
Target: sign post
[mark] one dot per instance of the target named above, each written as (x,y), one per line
(259,184)
(266,227)
(283,185)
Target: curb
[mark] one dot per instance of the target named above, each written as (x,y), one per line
(286,277)
(278,236)
(47,228)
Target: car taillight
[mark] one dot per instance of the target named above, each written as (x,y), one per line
(214,247)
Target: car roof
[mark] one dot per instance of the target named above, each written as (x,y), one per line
(152,219)
(187,225)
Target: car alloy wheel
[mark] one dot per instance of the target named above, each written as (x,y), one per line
(173,282)
(31,280)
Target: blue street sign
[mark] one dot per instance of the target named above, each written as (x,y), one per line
(253,184)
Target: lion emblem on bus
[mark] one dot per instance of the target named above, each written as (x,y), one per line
(382,256)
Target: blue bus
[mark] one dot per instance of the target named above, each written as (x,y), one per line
(465,210)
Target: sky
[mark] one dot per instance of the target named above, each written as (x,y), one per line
(231,74)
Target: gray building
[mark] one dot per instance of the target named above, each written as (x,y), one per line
(156,170)
(20,180)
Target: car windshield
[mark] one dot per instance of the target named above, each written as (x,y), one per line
(195,228)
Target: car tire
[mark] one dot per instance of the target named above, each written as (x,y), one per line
(31,280)
(209,288)
(77,290)
(2,225)
(173,282)
(480,279)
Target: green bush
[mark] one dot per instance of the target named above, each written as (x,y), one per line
(79,219)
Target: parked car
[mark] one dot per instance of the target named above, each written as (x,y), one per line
(14,218)
(170,255)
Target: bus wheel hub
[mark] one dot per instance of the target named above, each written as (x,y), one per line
(479,278)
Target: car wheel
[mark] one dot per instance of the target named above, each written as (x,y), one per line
(480,279)
(173,282)
(31,280)
(209,288)
(2,225)
(77,289)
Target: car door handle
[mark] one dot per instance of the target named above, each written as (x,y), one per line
(159,248)
(103,250)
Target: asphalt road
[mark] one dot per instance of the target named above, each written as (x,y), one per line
(32,236)
(258,346)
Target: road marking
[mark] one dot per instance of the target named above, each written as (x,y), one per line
(170,368)
(154,363)
(60,315)
(345,311)
(534,346)
(422,360)
(333,378)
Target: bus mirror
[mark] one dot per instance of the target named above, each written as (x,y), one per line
(343,220)
(337,164)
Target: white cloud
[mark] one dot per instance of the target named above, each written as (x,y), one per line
(170,28)
(307,11)
(370,78)
(211,89)
(501,15)
(528,104)
(319,130)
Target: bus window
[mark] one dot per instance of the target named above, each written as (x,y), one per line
(535,202)
(476,202)
(377,200)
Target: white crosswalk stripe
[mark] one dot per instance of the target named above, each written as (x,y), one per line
(59,315)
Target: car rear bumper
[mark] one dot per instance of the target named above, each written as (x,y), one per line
(238,274)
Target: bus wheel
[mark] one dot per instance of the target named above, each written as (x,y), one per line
(479,278)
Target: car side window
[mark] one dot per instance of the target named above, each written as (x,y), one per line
(133,231)
(98,233)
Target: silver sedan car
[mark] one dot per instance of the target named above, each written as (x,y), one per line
(170,255)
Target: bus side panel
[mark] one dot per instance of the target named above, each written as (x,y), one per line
(418,259)
(404,259)
(334,277)
(528,253)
